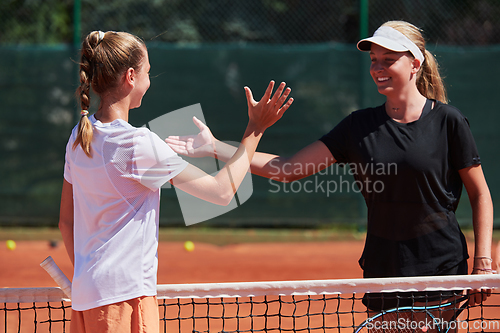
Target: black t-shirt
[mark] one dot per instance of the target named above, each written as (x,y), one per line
(408,175)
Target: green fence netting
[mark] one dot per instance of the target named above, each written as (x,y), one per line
(329,80)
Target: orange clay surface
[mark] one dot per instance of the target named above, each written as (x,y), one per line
(207,263)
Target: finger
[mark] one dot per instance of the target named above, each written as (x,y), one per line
(268,92)
(475,297)
(201,126)
(179,149)
(278,93)
(178,139)
(285,107)
(174,142)
(479,297)
(283,97)
(249,96)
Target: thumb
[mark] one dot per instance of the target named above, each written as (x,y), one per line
(249,96)
(201,126)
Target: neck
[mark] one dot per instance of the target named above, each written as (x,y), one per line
(405,109)
(111,110)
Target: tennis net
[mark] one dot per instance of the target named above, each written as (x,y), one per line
(288,306)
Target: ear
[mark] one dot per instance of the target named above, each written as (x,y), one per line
(415,66)
(130,76)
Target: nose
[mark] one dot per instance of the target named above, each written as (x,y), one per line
(376,66)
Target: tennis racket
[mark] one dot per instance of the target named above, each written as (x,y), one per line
(55,272)
(412,319)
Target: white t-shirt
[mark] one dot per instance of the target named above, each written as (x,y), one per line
(116,196)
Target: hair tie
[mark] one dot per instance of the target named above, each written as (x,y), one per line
(84,113)
(101,35)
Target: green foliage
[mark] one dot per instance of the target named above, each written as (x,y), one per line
(470,22)
(36,21)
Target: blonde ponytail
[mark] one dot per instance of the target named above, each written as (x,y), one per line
(85,131)
(84,135)
(429,82)
(104,59)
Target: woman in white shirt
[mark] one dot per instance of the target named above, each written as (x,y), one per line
(112,179)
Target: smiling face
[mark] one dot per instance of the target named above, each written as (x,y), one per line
(392,71)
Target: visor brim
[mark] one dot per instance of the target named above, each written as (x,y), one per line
(366,44)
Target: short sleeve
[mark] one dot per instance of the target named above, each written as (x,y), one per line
(155,163)
(462,147)
(337,140)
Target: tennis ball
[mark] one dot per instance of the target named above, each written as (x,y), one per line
(11,245)
(189,246)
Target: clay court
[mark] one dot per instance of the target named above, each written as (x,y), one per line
(229,262)
(207,263)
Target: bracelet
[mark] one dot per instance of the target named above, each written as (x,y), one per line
(483,269)
(484,258)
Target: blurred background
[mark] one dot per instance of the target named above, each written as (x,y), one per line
(206,51)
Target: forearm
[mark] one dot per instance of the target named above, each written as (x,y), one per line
(238,164)
(482,208)
(66,219)
(306,162)
(261,163)
(66,229)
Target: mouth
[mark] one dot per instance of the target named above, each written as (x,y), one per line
(382,79)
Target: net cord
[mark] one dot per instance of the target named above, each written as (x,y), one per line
(328,287)
(279,288)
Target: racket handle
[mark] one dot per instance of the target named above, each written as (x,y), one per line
(55,272)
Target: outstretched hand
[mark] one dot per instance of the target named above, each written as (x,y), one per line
(262,114)
(197,145)
(267,111)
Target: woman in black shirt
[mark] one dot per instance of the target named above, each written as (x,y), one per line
(414,150)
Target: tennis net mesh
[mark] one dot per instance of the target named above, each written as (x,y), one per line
(425,304)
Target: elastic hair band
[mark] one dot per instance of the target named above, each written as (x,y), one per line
(101,35)
(84,113)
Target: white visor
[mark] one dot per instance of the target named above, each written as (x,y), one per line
(393,40)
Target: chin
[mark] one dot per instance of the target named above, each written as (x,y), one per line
(384,91)
(135,106)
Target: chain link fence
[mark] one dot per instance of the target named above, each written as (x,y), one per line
(445,22)
(205,51)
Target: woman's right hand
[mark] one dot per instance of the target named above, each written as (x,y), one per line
(267,111)
(197,145)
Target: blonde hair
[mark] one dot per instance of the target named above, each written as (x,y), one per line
(104,58)
(429,81)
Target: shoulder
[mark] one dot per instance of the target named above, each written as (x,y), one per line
(451,117)
(121,132)
(448,111)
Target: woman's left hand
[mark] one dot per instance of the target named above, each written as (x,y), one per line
(268,110)
(482,265)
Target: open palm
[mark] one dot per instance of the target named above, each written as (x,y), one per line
(196,145)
